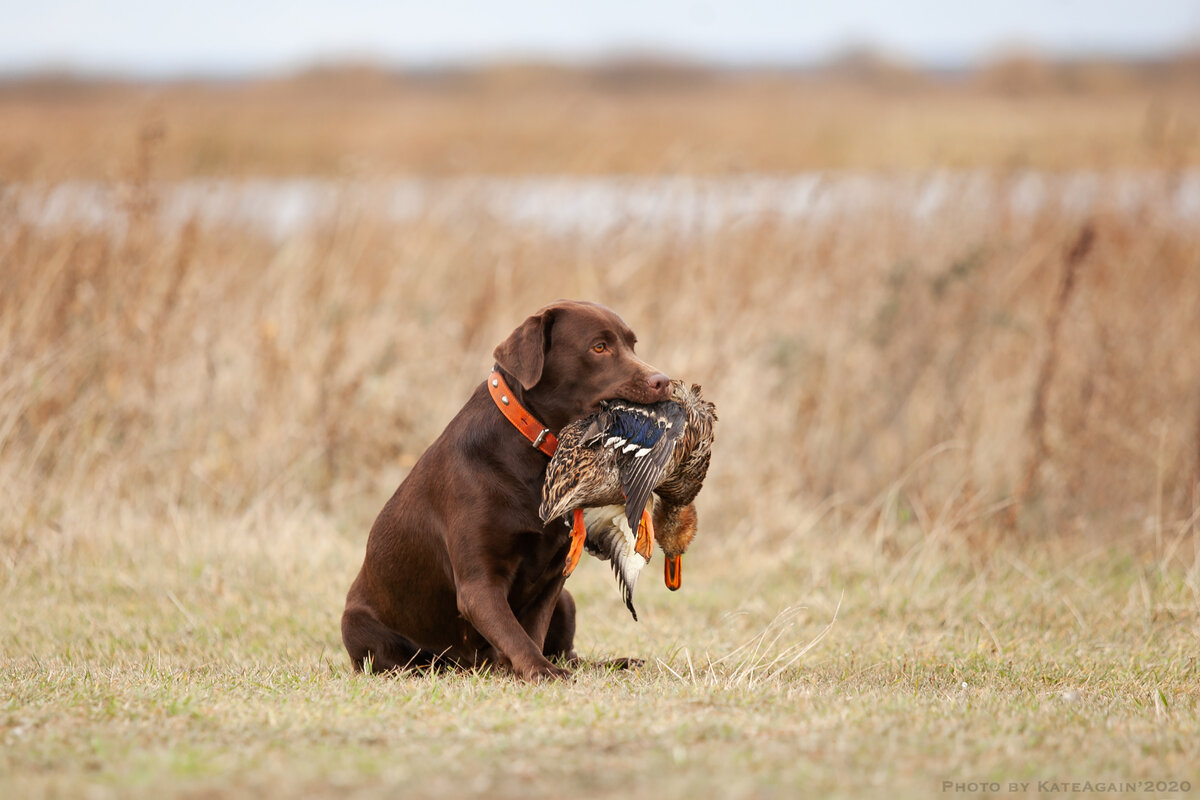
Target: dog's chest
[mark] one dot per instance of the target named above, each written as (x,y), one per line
(540,565)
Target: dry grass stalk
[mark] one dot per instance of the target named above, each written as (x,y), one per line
(1036,423)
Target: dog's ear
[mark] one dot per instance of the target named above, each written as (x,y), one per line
(523,353)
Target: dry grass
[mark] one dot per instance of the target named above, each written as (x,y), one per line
(215,368)
(522,121)
(197,654)
(198,424)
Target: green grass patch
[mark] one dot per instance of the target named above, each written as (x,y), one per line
(209,662)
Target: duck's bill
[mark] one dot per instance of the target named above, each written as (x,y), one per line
(673,572)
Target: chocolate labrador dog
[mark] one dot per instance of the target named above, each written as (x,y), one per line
(459,569)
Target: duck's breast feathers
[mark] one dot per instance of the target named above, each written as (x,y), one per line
(575,474)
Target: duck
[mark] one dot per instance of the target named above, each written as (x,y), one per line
(675,518)
(607,465)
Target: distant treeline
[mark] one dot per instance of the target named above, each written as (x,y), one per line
(1013,71)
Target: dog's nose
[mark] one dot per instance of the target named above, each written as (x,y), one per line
(659,384)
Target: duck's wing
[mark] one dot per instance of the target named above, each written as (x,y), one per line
(694,451)
(572,471)
(643,438)
(610,538)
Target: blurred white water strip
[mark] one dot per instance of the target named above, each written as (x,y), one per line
(600,205)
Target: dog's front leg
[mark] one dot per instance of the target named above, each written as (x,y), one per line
(483,602)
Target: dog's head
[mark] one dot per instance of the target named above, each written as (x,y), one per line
(571,355)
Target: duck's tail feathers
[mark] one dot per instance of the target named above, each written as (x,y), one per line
(610,538)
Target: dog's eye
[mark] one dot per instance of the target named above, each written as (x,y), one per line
(599,347)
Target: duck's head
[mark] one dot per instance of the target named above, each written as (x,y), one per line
(674,529)
(572,355)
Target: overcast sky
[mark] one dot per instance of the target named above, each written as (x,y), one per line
(237,36)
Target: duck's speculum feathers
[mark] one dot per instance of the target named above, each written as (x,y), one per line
(642,440)
(628,428)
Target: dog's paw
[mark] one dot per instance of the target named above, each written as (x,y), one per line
(544,671)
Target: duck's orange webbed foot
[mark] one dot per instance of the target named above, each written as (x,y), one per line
(644,546)
(578,535)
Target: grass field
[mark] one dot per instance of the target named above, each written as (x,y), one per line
(628,118)
(950,532)
(199,655)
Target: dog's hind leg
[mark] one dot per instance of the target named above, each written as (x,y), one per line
(369,641)
(560,635)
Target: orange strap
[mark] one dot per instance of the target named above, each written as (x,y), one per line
(517,414)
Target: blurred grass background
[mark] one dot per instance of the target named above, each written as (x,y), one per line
(644,116)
